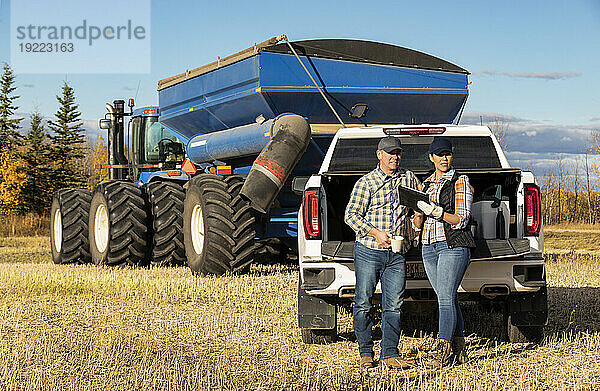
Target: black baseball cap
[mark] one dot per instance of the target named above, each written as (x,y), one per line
(389,144)
(439,145)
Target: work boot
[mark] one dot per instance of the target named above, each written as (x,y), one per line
(367,361)
(395,363)
(442,356)
(459,352)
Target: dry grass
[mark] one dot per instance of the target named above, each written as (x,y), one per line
(84,327)
(573,239)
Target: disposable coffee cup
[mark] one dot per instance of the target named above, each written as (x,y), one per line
(397,243)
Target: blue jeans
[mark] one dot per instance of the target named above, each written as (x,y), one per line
(445,269)
(372,266)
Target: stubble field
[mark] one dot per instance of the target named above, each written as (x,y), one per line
(84,327)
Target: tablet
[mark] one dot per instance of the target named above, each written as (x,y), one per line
(409,197)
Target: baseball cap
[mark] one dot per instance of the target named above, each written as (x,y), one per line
(439,145)
(389,144)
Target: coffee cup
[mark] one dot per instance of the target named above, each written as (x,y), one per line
(397,243)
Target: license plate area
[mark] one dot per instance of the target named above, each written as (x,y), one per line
(415,271)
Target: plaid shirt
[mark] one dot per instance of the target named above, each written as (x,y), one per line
(433,229)
(374,203)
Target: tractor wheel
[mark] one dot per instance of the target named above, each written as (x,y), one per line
(218,226)
(243,219)
(207,226)
(118,227)
(166,205)
(69,226)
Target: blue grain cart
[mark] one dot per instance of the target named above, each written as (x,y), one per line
(205,177)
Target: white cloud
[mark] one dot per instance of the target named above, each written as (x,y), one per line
(532,75)
(476,117)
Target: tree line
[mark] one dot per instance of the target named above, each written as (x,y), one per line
(48,156)
(570,191)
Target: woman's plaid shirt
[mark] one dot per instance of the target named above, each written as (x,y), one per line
(433,229)
(374,203)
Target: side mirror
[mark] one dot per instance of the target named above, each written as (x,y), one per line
(359,110)
(104,123)
(299,184)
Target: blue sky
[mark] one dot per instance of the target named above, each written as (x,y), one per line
(533,63)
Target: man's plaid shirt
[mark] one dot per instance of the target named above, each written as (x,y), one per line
(433,229)
(374,203)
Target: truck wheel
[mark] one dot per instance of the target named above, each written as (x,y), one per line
(524,334)
(69,226)
(118,225)
(243,219)
(208,226)
(166,205)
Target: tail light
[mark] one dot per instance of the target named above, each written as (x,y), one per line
(310,214)
(533,210)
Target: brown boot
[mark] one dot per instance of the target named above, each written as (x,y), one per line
(458,350)
(442,355)
(367,361)
(395,363)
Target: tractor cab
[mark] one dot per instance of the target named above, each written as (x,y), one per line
(146,146)
(151,145)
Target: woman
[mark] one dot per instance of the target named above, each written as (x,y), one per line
(446,241)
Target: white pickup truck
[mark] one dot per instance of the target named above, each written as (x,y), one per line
(507,266)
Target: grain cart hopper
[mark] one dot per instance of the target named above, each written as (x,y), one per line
(208,172)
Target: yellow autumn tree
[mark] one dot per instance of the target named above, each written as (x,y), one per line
(12,183)
(98,156)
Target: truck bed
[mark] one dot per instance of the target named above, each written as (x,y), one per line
(339,240)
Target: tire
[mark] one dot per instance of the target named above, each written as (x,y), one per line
(321,337)
(118,225)
(244,232)
(270,251)
(218,226)
(207,225)
(69,226)
(166,206)
(524,334)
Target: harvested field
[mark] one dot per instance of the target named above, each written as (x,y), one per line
(84,327)
(576,239)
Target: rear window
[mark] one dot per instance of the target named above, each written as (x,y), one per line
(358,154)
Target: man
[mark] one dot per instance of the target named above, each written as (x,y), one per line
(375,215)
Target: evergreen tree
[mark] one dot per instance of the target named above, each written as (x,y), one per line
(36,157)
(9,126)
(68,149)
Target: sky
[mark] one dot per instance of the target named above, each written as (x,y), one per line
(533,64)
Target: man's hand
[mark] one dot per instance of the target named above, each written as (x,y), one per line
(430,209)
(382,238)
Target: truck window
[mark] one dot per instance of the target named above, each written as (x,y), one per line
(358,154)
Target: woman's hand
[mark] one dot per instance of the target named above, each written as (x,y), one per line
(431,209)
